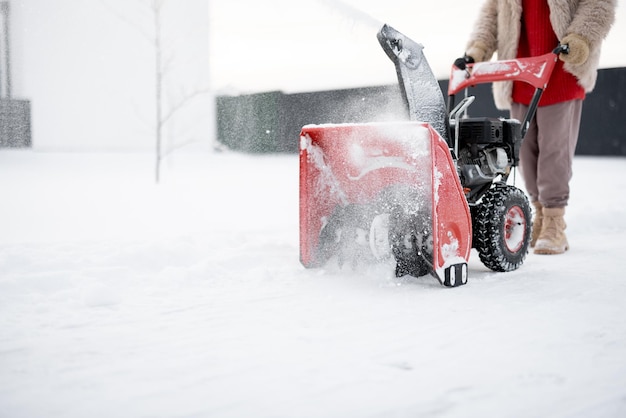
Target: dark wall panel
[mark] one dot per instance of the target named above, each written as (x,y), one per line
(271,122)
(603,125)
(14,123)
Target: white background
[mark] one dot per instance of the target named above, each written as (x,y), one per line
(88,66)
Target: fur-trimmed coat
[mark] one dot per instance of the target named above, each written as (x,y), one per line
(498,30)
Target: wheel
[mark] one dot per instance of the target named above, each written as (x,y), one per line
(502,228)
(411,242)
(345,236)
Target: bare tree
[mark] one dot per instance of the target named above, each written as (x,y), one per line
(164,111)
(157,6)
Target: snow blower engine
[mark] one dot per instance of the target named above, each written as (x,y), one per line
(421,192)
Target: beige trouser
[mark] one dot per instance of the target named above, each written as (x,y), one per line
(548,150)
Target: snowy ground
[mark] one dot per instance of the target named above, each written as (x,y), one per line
(120,298)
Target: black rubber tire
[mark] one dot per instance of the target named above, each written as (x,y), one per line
(407,238)
(502,228)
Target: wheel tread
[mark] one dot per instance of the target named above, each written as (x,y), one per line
(488,228)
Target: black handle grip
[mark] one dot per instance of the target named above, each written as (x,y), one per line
(561,49)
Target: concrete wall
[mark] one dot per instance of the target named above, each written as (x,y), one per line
(88,69)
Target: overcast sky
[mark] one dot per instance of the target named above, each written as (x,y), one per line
(304,45)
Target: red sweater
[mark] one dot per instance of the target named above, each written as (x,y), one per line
(536,38)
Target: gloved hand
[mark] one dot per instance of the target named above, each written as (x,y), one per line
(578,49)
(478,51)
(461,62)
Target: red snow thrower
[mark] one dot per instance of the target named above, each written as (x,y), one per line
(421,192)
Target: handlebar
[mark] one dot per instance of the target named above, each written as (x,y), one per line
(461,63)
(561,49)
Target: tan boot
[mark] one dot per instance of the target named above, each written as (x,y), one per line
(552,239)
(537,222)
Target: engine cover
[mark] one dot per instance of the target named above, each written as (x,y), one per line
(481,131)
(505,133)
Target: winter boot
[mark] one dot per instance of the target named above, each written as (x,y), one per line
(552,239)
(537,221)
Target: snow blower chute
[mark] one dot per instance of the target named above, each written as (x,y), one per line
(421,192)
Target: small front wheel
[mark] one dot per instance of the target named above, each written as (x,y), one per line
(502,228)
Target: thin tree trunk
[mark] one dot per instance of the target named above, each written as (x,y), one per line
(156,4)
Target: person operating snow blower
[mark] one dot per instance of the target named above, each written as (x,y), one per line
(523,28)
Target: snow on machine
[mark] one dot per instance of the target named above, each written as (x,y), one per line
(422,192)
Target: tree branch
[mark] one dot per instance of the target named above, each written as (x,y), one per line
(175,108)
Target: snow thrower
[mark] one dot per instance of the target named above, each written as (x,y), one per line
(421,192)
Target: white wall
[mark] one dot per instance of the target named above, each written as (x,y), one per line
(88,68)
